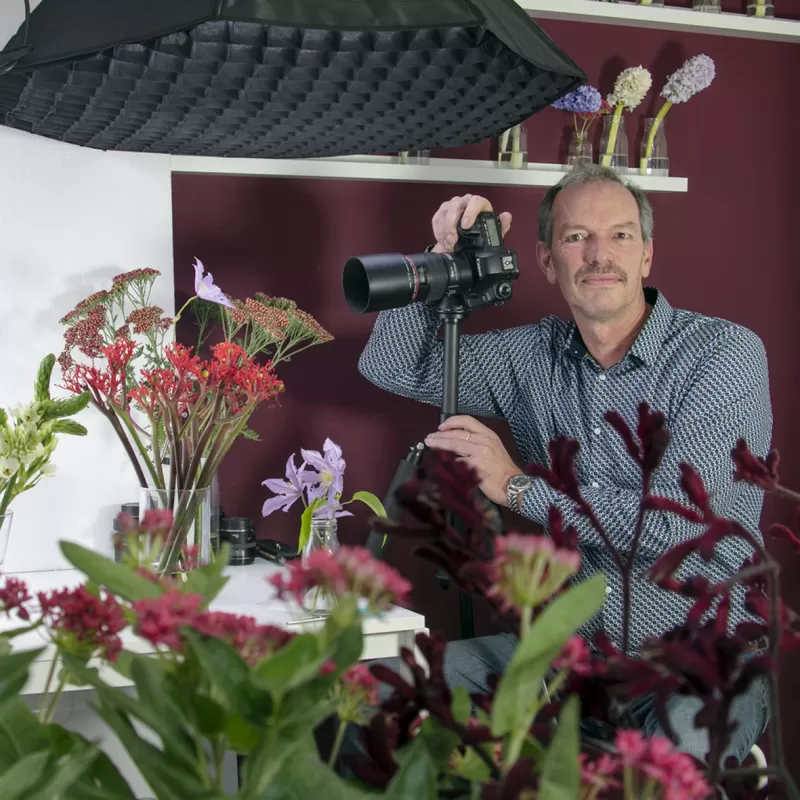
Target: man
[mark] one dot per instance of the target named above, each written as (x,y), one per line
(625,344)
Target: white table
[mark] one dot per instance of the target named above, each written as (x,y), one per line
(247,593)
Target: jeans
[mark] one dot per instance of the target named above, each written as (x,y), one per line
(469,662)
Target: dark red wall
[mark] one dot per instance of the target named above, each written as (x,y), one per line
(727,248)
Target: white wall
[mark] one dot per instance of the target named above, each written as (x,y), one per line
(70,219)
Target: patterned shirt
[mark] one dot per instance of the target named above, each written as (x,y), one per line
(709,378)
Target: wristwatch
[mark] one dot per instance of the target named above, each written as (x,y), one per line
(517,486)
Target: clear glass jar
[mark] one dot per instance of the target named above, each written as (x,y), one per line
(711,6)
(512,148)
(580,150)
(414,157)
(760,8)
(323,536)
(651,2)
(617,156)
(654,159)
(5,533)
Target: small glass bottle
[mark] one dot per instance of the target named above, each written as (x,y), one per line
(323,536)
(512,148)
(760,8)
(711,6)
(656,161)
(420,157)
(618,158)
(651,2)
(580,150)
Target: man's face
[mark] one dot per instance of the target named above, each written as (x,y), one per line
(598,257)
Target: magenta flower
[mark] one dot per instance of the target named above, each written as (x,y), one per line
(288,491)
(204,286)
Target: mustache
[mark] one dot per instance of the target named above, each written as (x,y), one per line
(588,270)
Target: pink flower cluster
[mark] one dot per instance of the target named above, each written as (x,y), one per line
(576,657)
(528,570)
(653,759)
(161,619)
(83,623)
(349,571)
(13,596)
(359,682)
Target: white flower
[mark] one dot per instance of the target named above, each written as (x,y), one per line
(8,467)
(48,470)
(29,415)
(631,87)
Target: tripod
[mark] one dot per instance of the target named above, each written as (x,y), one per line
(452,310)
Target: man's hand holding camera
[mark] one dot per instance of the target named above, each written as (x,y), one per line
(482,449)
(466,209)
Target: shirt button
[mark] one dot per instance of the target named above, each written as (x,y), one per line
(595,485)
(608,590)
(597,431)
(602,377)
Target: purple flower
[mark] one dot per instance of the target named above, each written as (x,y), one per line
(329,482)
(694,76)
(204,286)
(287,491)
(583,100)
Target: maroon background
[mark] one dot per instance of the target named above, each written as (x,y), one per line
(727,248)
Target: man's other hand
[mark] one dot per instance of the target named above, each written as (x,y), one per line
(466,209)
(482,449)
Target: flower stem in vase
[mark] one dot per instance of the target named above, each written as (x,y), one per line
(612,137)
(761,8)
(662,112)
(502,145)
(516,155)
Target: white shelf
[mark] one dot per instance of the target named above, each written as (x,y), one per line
(387,168)
(664,17)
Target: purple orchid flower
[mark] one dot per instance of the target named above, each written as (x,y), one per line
(287,492)
(204,286)
(330,467)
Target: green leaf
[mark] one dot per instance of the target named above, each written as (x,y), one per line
(70,427)
(372,501)
(294,664)
(416,777)
(472,767)
(41,387)
(67,774)
(3,417)
(231,679)
(66,407)
(119,579)
(14,669)
(240,735)
(17,782)
(305,522)
(266,759)
(249,433)
(439,741)
(560,779)
(461,705)
(21,733)
(210,717)
(208,581)
(521,684)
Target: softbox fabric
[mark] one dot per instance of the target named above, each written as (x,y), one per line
(279,78)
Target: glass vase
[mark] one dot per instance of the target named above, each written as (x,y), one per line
(711,6)
(5,533)
(512,148)
(617,157)
(323,536)
(651,2)
(654,159)
(580,150)
(187,545)
(760,8)
(414,156)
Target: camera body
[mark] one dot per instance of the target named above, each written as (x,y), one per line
(480,270)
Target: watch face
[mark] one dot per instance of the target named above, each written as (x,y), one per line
(519,482)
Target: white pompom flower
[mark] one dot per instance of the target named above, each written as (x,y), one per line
(631,87)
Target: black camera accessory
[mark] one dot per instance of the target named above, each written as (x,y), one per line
(480,271)
(239,532)
(273,550)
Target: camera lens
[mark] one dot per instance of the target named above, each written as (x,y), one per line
(392,280)
(240,534)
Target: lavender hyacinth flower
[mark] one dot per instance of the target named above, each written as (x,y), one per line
(287,492)
(330,467)
(583,100)
(694,76)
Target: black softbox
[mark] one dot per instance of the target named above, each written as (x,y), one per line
(278,78)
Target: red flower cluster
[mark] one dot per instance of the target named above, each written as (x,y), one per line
(576,657)
(83,623)
(161,619)
(84,305)
(106,385)
(349,571)
(13,596)
(359,681)
(86,333)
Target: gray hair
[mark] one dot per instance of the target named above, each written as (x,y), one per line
(593,173)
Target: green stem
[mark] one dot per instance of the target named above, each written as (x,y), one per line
(337,742)
(9,494)
(612,135)
(525,621)
(629,783)
(662,112)
(514,749)
(218,752)
(56,697)
(43,702)
(126,421)
(182,309)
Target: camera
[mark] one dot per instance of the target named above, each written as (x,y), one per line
(480,269)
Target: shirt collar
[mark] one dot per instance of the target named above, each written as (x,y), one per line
(647,344)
